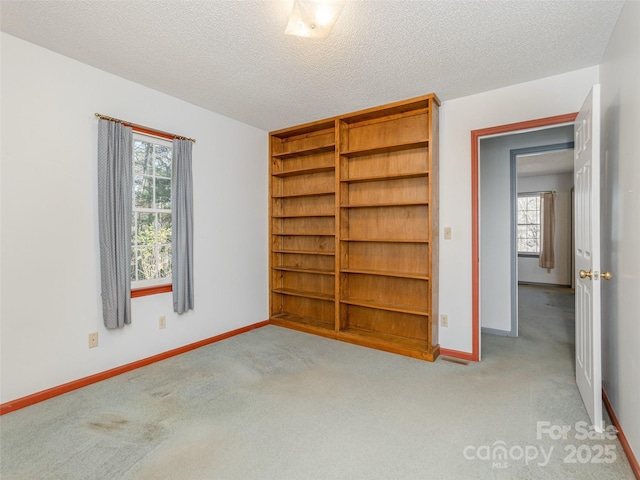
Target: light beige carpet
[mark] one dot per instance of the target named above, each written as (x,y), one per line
(279,404)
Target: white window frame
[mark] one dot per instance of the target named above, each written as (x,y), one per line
(518,224)
(154,282)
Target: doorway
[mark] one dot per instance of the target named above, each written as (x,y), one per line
(546,167)
(477,267)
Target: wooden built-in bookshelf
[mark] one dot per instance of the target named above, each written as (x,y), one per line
(354,227)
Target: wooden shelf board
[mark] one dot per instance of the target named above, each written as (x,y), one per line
(284,268)
(415,105)
(300,293)
(293,195)
(385,240)
(391,343)
(374,205)
(424,312)
(305,151)
(379,178)
(304,252)
(307,215)
(303,171)
(304,324)
(385,148)
(413,276)
(326,125)
(296,234)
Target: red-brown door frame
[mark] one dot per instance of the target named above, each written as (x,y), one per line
(475,213)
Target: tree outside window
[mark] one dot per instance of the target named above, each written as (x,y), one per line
(529,224)
(151,225)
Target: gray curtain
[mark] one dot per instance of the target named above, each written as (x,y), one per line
(547,232)
(114,218)
(182,228)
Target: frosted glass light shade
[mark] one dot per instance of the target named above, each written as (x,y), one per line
(313,18)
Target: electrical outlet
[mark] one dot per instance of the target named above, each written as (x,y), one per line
(93,340)
(444,320)
(162,322)
(447,233)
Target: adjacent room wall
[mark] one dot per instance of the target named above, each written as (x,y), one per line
(620,228)
(528,268)
(50,260)
(546,97)
(496,304)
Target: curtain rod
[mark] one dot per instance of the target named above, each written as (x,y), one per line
(534,193)
(143,128)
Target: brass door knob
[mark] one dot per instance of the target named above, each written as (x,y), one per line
(585,274)
(606,275)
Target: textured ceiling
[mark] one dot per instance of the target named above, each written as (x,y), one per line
(233,58)
(545,163)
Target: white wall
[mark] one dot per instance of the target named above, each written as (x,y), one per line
(50,260)
(528,268)
(527,101)
(620,75)
(495,219)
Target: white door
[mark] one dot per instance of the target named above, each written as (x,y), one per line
(587,256)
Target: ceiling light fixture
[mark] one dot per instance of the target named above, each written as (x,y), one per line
(313,18)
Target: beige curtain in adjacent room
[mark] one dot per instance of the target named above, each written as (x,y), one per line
(547,230)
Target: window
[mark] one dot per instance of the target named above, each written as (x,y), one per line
(529,224)
(151,223)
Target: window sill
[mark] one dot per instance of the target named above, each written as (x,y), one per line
(529,255)
(144,291)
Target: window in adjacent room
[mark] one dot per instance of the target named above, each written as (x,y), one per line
(529,224)
(151,222)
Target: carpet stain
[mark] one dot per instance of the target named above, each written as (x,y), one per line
(181,455)
(109,422)
(116,425)
(161,394)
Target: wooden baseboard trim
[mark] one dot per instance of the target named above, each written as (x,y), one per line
(83,382)
(633,461)
(470,357)
(540,284)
